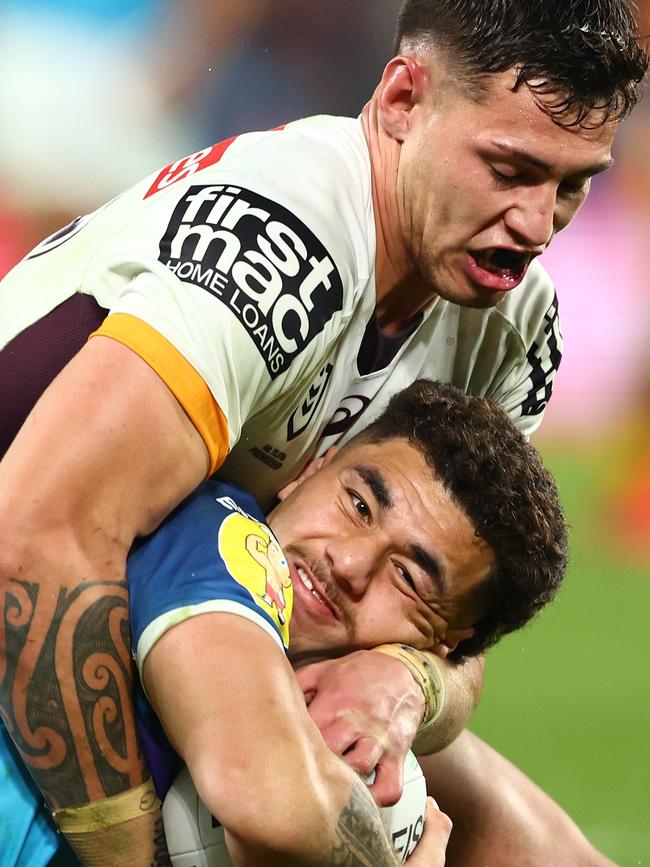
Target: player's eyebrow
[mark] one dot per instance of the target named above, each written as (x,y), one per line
(432,566)
(375,480)
(538,163)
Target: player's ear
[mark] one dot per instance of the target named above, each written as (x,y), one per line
(309,470)
(402,87)
(454,637)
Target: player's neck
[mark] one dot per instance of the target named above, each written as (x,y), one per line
(400,293)
(401,304)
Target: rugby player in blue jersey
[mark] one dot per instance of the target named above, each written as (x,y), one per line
(412,533)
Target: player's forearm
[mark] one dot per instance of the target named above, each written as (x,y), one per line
(66,690)
(314,813)
(323,816)
(65,696)
(232,708)
(463,685)
(79,482)
(356,839)
(123,831)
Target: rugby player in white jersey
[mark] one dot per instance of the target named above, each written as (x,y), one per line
(265,297)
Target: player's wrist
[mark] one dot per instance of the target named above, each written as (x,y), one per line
(425,670)
(121,831)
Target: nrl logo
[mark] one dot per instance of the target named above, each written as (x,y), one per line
(302,415)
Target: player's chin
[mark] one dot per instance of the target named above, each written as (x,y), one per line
(467,295)
(305,649)
(455,284)
(309,637)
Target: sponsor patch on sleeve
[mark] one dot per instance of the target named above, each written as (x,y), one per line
(258,259)
(188,166)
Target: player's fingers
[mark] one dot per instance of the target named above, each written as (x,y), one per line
(308,679)
(313,682)
(340,728)
(364,754)
(340,735)
(389,781)
(430,851)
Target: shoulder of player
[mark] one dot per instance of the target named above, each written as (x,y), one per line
(327,151)
(317,168)
(311,162)
(312,175)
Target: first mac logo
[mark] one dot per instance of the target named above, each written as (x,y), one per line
(262,262)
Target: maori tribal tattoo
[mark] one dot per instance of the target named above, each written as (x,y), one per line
(363,840)
(65,688)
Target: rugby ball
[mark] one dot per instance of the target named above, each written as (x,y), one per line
(195,838)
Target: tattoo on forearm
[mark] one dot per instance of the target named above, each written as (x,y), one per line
(65,688)
(363,839)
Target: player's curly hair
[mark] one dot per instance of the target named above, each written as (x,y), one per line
(574,55)
(498,479)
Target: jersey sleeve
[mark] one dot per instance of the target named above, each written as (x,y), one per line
(527,386)
(214,553)
(241,284)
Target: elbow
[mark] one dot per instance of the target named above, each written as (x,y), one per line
(26,557)
(50,550)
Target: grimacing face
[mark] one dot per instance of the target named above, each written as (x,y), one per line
(483,187)
(378,553)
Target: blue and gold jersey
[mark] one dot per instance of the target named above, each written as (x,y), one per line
(214,553)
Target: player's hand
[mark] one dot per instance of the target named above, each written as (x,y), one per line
(430,851)
(367,707)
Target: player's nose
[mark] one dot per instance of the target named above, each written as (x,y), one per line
(532,217)
(352,561)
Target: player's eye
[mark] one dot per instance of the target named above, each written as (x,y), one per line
(406,576)
(574,188)
(360,506)
(505,180)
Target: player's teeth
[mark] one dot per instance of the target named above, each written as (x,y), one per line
(305,579)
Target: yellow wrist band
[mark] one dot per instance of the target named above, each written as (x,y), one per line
(426,674)
(99,815)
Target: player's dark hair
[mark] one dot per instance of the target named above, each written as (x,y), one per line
(575,55)
(498,479)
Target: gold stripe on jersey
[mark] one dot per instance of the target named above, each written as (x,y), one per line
(185,383)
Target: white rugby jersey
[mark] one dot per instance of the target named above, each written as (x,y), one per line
(244,275)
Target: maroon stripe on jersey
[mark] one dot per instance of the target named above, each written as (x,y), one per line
(34,357)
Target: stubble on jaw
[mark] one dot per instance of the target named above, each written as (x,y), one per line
(336,596)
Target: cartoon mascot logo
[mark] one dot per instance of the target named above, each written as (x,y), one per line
(255,560)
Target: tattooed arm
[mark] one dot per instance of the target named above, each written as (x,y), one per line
(231,705)
(106,453)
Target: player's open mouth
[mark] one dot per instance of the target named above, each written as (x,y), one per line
(499,267)
(317,593)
